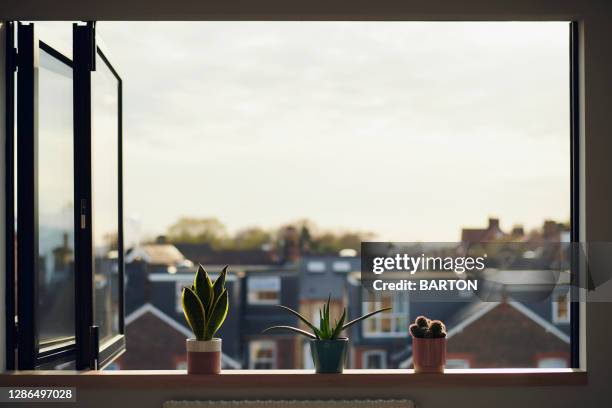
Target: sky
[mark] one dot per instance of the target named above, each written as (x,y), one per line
(408,130)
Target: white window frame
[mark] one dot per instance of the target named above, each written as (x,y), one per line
(276,283)
(392,314)
(555,309)
(254,345)
(368,353)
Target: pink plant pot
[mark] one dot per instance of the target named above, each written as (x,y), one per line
(429,355)
(203,357)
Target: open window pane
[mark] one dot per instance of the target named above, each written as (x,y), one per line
(105,199)
(55,277)
(44,207)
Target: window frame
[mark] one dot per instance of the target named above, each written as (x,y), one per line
(263,302)
(392,315)
(378,352)
(555,308)
(574,310)
(32,354)
(91,353)
(258,342)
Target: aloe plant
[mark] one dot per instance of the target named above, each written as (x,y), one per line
(205,304)
(326,330)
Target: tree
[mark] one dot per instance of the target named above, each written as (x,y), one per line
(250,238)
(198,230)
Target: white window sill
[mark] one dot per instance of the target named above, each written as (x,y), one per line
(299,378)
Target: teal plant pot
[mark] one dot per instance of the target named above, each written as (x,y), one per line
(329,356)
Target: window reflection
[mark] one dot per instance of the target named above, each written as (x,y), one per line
(55,272)
(105,205)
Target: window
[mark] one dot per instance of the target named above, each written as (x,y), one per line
(552,362)
(45,205)
(264,290)
(561,308)
(341,266)
(262,355)
(373,359)
(316,266)
(393,323)
(409,113)
(457,363)
(70,246)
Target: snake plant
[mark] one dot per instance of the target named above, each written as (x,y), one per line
(205,304)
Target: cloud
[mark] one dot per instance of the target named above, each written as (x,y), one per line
(407,129)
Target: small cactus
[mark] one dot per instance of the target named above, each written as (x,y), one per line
(422,321)
(423,328)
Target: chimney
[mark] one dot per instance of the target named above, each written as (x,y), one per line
(493,223)
(518,231)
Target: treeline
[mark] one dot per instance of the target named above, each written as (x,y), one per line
(304,233)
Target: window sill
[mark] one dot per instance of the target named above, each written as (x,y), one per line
(298,378)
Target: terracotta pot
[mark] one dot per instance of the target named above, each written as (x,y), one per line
(203,357)
(429,355)
(329,356)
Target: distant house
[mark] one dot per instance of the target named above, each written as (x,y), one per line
(206,255)
(155,276)
(507,334)
(156,341)
(383,341)
(320,278)
(491,233)
(264,289)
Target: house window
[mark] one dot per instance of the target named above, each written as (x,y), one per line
(262,355)
(264,290)
(307,356)
(393,323)
(316,266)
(457,363)
(561,308)
(374,359)
(552,362)
(341,266)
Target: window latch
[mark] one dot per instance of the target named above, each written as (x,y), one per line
(83,214)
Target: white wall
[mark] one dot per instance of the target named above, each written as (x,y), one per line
(597,187)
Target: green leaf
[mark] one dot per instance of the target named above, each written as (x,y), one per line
(194,313)
(217,316)
(339,324)
(203,288)
(219,284)
(293,329)
(302,318)
(357,320)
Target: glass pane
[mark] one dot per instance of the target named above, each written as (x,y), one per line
(55,274)
(105,205)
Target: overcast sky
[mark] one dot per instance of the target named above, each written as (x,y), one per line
(408,130)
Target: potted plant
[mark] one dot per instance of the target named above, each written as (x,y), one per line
(428,345)
(328,349)
(205,307)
